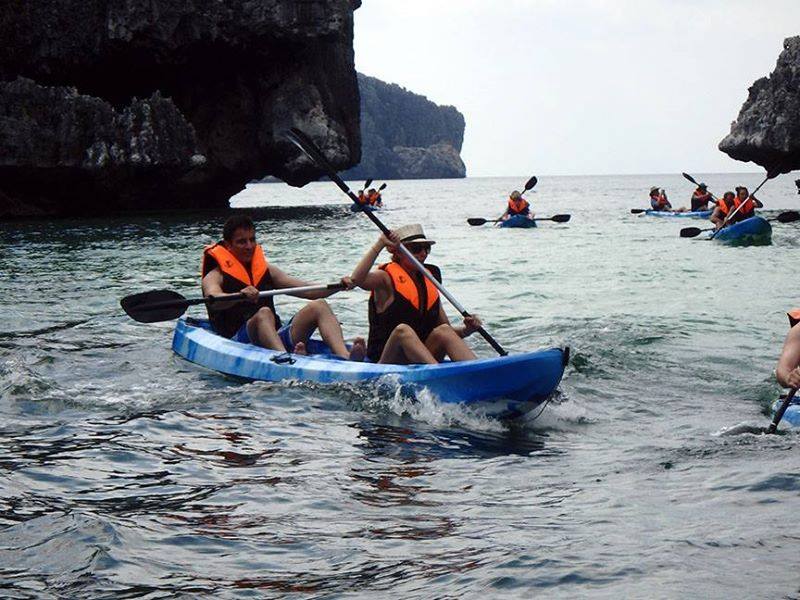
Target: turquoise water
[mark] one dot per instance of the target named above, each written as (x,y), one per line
(127,472)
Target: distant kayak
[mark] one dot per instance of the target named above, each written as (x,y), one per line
(755,231)
(518,221)
(505,387)
(359,208)
(698,214)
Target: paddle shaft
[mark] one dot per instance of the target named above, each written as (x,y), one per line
(779,415)
(730,216)
(405,252)
(237,297)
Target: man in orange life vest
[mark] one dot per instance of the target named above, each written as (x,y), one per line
(788,369)
(730,202)
(517,205)
(407,323)
(237,265)
(374,198)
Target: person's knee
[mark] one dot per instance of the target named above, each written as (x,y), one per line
(403,331)
(264,317)
(443,331)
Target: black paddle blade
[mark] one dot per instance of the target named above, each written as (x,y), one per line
(476,221)
(689,232)
(789,216)
(690,178)
(531,182)
(638,211)
(561,218)
(367,183)
(383,187)
(154,306)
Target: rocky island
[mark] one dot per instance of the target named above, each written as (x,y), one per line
(406,136)
(767,130)
(109,106)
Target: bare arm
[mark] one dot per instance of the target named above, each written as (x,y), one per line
(212,286)
(787,371)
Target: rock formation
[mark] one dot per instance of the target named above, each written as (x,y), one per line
(767,130)
(406,136)
(110,105)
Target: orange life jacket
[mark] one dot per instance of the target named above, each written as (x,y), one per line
(406,308)
(747,210)
(230,265)
(374,199)
(235,277)
(518,207)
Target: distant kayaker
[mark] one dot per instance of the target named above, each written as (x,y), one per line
(407,323)
(660,202)
(362,198)
(788,370)
(517,206)
(701,197)
(374,198)
(237,264)
(730,202)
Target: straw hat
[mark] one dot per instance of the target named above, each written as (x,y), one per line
(412,233)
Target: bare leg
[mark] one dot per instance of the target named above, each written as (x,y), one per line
(404,347)
(318,315)
(445,341)
(261,330)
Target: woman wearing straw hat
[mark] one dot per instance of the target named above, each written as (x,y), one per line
(407,323)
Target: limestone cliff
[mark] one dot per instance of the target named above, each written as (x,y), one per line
(109,105)
(767,130)
(406,136)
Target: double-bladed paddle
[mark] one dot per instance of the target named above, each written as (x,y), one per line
(557,218)
(304,143)
(692,179)
(790,216)
(164,305)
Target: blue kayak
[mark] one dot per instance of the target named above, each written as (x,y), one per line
(504,387)
(518,221)
(697,214)
(792,414)
(361,208)
(755,231)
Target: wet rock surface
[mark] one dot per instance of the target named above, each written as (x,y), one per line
(114,105)
(767,130)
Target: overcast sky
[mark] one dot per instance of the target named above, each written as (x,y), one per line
(559,87)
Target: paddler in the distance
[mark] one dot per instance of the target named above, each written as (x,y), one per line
(237,264)
(701,197)
(374,198)
(407,323)
(517,206)
(730,202)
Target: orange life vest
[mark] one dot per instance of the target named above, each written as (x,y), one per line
(230,265)
(405,286)
(235,277)
(374,199)
(518,207)
(406,308)
(747,210)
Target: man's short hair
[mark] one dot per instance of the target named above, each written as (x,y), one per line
(236,222)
